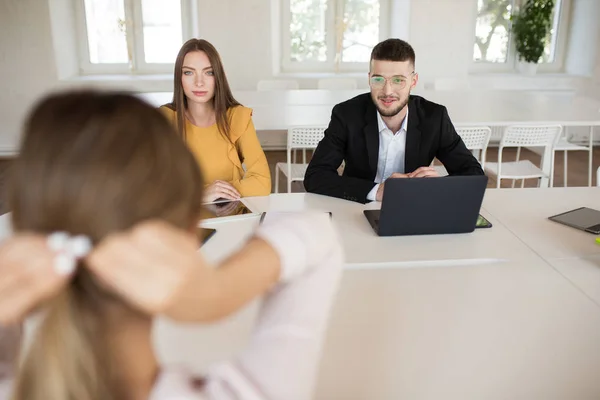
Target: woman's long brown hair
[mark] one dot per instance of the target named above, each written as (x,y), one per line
(223,99)
(93,164)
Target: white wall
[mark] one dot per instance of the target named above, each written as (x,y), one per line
(584,38)
(596,80)
(27,67)
(583,57)
(241,31)
(593,89)
(441,32)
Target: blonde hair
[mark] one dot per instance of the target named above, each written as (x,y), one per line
(93,163)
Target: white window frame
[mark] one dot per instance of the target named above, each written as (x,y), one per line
(334,10)
(135,41)
(562,23)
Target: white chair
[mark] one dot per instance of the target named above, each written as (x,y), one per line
(543,136)
(566,146)
(598,177)
(298,138)
(476,139)
(337,84)
(267,85)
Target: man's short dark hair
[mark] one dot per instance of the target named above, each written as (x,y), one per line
(393,50)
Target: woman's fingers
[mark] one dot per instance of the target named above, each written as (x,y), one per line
(147,265)
(227,189)
(27,275)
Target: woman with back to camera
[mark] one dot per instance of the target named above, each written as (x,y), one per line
(217,129)
(104,242)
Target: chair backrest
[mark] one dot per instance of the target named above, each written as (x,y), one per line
(337,84)
(266,85)
(530,136)
(305,137)
(475,138)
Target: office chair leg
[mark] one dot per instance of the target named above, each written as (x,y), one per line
(516,160)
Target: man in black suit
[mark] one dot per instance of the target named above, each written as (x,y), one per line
(387,133)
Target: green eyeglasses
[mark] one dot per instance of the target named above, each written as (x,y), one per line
(399,82)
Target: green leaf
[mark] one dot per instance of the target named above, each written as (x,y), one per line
(531,27)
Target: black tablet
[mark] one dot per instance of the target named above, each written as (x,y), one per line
(583,218)
(225,209)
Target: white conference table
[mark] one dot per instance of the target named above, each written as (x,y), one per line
(512,331)
(364,249)
(497,331)
(415,323)
(573,253)
(507,312)
(521,231)
(525,213)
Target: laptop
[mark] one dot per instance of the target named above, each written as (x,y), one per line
(583,218)
(425,206)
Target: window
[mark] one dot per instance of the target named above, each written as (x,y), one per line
(331,35)
(492,30)
(494,48)
(130,36)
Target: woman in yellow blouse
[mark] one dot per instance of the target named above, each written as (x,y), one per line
(217,128)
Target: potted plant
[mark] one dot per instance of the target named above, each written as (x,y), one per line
(530,27)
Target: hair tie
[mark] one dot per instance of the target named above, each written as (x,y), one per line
(68,249)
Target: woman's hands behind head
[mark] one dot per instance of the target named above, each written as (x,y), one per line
(148,266)
(156,268)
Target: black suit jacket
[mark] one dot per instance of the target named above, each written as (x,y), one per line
(353,137)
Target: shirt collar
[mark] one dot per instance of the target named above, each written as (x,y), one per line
(382,126)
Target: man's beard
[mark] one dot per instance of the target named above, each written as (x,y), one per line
(391,113)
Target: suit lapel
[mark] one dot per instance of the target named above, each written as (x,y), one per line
(371,132)
(413,139)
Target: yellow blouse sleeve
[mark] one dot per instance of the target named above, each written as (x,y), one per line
(257,178)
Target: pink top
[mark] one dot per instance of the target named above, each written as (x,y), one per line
(283,354)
